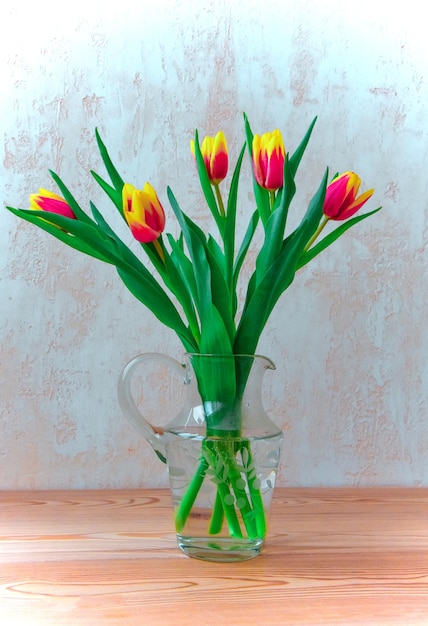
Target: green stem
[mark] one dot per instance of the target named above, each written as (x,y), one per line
(316,234)
(242,502)
(271,200)
(159,250)
(219,199)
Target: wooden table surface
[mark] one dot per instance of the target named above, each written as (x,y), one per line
(333,556)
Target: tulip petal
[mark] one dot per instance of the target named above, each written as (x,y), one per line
(268,160)
(357,204)
(155,206)
(219,165)
(127,191)
(257,160)
(140,231)
(274,171)
(51,203)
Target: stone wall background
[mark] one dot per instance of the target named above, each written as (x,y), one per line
(348,338)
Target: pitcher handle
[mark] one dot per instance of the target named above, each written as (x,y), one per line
(153,434)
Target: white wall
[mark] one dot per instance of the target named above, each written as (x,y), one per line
(348,338)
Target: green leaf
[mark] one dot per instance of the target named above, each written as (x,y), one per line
(115,195)
(91,240)
(113,192)
(242,253)
(187,293)
(175,280)
(298,154)
(295,244)
(58,233)
(87,232)
(331,238)
(195,245)
(155,299)
(168,271)
(184,266)
(216,253)
(214,335)
(124,253)
(69,198)
(102,224)
(221,296)
(216,379)
(115,177)
(275,225)
(251,286)
(279,276)
(230,226)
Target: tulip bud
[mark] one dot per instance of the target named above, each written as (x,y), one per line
(341,200)
(268,160)
(143,212)
(215,155)
(51,203)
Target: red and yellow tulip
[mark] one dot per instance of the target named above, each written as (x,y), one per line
(215,154)
(51,203)
(342,199)
(143,212)
(268,160)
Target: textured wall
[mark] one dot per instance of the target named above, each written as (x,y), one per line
(348,338)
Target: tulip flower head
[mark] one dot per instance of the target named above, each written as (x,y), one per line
(51,203)
(268,160)
(214,152)
(341,199)
(143,212)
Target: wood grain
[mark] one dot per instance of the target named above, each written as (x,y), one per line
(334,556)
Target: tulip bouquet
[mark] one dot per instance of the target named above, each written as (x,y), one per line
(200,271)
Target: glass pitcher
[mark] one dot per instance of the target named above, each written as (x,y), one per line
(221,449)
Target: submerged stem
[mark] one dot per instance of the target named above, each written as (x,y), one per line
(188,500)
(217,516)
(255,493)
